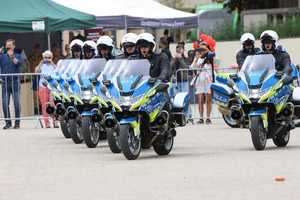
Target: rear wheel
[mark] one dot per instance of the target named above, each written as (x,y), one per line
(258,133)
(130,143)
(282,138)
(90,132)
(64,126)
(75,131)
(163,145)
(113,141)
(230,122)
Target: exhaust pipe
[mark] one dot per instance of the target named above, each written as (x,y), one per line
(72,112)
(96,116)
(110,121)
(288,111)
(60,109)
(163,118)
(236,112)
(50,109)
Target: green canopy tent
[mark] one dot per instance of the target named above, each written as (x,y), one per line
(41,16)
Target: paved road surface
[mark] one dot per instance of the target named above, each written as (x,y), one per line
(208,162)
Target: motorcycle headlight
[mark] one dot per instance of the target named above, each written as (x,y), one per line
(254,94)
(128,101)
(87,95)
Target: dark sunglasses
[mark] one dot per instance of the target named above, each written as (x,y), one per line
(129,45)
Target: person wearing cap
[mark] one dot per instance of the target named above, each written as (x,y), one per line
(129,45)
(269,40)
(105,47)
(89,49)
(247,41)
(203,62)
(76,49)
(160,65)
(45,67)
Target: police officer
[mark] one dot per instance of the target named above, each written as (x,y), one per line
(129,45)
(89,49)
(105,46)
(160,65)
(247,41)
(76,49)
(269,39)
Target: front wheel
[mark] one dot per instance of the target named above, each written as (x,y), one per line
(113,141)
(163,145)
(282,139)
(75,131)
(230,122)
(64,126)
(90,132)
(129,142)
(258,133)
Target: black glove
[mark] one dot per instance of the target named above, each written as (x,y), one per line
(287,79)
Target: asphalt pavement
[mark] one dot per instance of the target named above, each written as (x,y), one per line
(207,162)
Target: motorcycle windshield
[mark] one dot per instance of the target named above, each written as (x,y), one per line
(257,68)
(126,68)
(67,66)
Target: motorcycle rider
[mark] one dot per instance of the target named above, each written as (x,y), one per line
(105,46)
(160,65)
(76,49)
(247,41)
(89,49)
(129,45)
(269,39)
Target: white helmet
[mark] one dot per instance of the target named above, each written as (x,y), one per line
(91,44)
(130,38)
(105,40)
(270,33)
(247,36)
(76,42)
(146,37)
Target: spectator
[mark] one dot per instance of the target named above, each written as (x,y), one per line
(35,57)
(164,46)
(167,38)
(203,81)
(57,54)
(46,66)
(10,63)
(181,44)
(180,62)
(67,51)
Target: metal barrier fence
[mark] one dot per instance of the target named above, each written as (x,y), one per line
(22,98)
(196,81)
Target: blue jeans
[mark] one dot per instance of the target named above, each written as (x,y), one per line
(11,88)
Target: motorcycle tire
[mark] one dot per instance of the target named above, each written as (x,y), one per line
(282,139)
(113,141)
(90,133)
(130,144)
(75,132)
(258,133)
(163,145)
(65,129)
(230,122)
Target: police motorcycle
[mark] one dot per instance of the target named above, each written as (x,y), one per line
(93,104)
(56,82)
(143,113)
(258,94)
(227,110)
(231,112)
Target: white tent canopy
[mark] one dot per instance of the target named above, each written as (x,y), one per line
(132,13)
